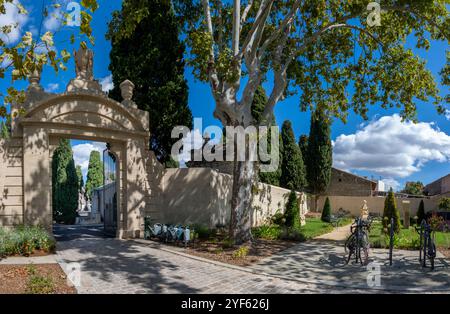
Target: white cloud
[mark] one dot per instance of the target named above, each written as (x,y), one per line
(107,83)
(81,153)
(447,114)
(391,183)
(390,148)
(54,20)
(51,87)
(10,17)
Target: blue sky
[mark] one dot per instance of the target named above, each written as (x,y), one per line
(381,147)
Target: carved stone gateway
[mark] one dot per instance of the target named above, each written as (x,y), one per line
(82,112)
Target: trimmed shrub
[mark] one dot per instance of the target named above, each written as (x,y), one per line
(420,213)
(292,213)
(271,232)
(391,211)
(326,212)
(203,232)
(24,240)
(444,204)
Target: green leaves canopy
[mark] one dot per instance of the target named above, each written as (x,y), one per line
(95,173)
(292,167)
(147,51)
(64,184)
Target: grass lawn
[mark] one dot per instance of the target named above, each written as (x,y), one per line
(314,227)
(406,239)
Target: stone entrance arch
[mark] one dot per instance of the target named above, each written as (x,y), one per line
(82,112)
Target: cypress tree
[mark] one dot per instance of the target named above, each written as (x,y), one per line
(64,184)
(259,102)
(80,178)
(151,56)
(319,157)
(292,213)
(303,144)
(4,132)
(326,212)
(421,212)
(292,168)
(95,173)
(391,211)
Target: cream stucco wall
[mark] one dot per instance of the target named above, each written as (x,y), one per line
(203,196)
(376,204)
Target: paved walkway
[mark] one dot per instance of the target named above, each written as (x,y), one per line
(117,266)
(323,262)
(338,234)
(22,260)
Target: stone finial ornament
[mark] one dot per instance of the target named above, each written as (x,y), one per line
(126,89)
(34,79)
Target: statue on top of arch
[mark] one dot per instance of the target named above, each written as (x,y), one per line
(84,80)
(84,63)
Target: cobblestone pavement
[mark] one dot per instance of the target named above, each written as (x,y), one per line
(118,266)
(323,262)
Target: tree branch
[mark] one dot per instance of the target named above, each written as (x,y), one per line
(246,11)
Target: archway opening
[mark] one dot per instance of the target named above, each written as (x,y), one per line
(84,189)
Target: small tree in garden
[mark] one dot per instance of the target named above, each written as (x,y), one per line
(444,203)
(326,212)
(292,213)
(391,211)
(4,132)
(421,212)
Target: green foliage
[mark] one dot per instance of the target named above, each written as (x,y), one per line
(391,211)
(303,145)
(444,203)
(326,212)
(171,163)
(203,232)
(241,252)
(257,108)
(80,178)
(319,156)
(414,188)
(4,132)
(38,284)
(24,240)
(278,218)
(94,177)
(64,184)
(268,232)
(146,50)
(292,168)
(292,212)
(421,212)
(227,243)
(32,52)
